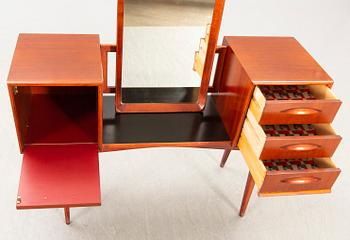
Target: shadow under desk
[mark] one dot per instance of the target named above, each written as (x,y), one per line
(139,130)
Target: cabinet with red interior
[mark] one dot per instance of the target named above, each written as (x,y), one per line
(55,87)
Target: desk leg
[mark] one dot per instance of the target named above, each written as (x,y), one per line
(225,157)
(67,215)
(247,193)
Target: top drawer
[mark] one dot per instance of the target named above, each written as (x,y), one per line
(294,104)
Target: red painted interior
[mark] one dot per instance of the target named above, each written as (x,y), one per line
(62,118)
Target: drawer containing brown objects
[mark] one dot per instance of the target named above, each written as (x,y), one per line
(290,141)
(294,104)
(289,176)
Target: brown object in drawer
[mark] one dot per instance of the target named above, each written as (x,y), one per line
(289,182)
(319,106)
(323,144)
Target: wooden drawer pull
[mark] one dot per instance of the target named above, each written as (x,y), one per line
(301,111)
(301,147)
(301,180)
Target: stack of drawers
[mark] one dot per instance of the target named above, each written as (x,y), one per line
(287,140)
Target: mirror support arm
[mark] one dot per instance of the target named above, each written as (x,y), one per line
(221,51)
(105,49)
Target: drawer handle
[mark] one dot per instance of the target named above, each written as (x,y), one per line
(301,180)
(302,147)
(301,111)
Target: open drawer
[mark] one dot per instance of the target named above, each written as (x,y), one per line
(294,104)
(290,141)
(55,176)
(318,177)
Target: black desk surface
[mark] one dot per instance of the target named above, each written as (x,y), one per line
(206,126)
(160,95)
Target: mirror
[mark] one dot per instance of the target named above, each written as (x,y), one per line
(164,49)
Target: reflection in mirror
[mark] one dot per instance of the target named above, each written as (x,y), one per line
(164,45)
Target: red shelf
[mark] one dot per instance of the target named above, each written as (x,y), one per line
(55,176)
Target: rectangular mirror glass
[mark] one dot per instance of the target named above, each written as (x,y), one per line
(164,49)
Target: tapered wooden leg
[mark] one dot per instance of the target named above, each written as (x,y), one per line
(225,157)
(247,193)
(67,215)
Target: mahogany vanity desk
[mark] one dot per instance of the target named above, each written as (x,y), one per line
(62,118)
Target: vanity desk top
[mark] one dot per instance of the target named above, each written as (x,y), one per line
(276,60)
(56,59)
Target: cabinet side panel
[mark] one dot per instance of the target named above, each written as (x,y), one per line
(233,97)
(99,116)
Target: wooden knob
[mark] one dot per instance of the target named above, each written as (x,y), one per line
(302,147)
(301,180)
(301,111)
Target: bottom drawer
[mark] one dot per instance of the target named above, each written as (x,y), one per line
(289,176)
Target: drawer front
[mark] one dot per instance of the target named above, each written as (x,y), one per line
(318,111)
(321,108)
(299,147)
(313,180)
(275,147)
(288,182)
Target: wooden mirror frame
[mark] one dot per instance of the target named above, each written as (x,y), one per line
(168,107)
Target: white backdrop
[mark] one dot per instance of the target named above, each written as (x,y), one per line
(181,193)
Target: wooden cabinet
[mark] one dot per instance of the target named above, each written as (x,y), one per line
(277,106)
(55,87)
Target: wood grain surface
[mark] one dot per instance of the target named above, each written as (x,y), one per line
(56,60)
(277,60)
